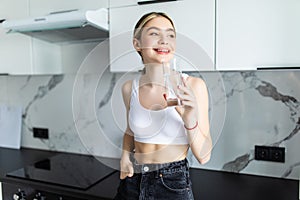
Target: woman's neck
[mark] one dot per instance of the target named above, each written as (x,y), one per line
(153,74)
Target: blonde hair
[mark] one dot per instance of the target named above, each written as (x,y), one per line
(145,19)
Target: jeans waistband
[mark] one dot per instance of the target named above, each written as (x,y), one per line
(160,167)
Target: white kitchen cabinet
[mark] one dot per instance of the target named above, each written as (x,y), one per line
(8,9)
(15,49)
(120,3)
(194,23)
(22,54)
(51,58)
(46,58)
(253,33)
(15,53)
(38,7)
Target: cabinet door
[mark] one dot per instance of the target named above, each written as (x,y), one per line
(253,33)
(194,23)
(15,49)
(119,3)
(38,7)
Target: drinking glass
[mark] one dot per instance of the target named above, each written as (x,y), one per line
(172,79)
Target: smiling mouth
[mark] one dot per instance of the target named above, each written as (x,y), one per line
(162,51)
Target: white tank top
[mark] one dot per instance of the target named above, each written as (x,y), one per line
(163,126)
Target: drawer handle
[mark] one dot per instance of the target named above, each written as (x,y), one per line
(277,68)
(39,19)
(153,1)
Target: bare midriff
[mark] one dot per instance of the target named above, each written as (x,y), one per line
(159,153)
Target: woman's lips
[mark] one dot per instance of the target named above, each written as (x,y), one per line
(161,50)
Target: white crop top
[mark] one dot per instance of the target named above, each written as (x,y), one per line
(163,126)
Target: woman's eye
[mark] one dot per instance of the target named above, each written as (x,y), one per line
(154,33)
(172,35)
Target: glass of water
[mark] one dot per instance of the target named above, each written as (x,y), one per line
(172,79)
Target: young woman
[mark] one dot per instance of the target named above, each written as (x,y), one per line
(157,138)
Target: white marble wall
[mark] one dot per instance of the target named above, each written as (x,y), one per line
(85,114)
(262,108)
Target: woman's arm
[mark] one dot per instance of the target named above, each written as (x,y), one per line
(128,140)
(196,118)
(125,162)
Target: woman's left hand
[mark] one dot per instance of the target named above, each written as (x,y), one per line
(189,109)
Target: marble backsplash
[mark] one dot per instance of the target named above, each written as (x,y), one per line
(85,114)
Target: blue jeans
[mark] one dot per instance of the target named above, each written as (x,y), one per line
(157,182)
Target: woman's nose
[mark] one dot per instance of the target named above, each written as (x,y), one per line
(163,39)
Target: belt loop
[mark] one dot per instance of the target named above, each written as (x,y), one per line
(157,173)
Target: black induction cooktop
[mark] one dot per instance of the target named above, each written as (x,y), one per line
(74,171)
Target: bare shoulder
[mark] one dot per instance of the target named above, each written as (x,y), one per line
(126,92)
(126,87)
(197,84)
(200,90)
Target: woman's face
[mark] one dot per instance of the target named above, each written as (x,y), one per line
(158,41)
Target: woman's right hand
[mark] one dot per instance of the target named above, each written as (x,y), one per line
(126,168)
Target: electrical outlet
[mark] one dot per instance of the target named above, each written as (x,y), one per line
(261,153)
(268,153)
(42,133)
(277,154)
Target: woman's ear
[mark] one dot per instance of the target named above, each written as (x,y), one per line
(137,44)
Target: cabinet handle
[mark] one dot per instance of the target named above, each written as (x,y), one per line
(153,1)
(39,19)
(276,68)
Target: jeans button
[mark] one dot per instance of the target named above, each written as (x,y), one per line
(146,168)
